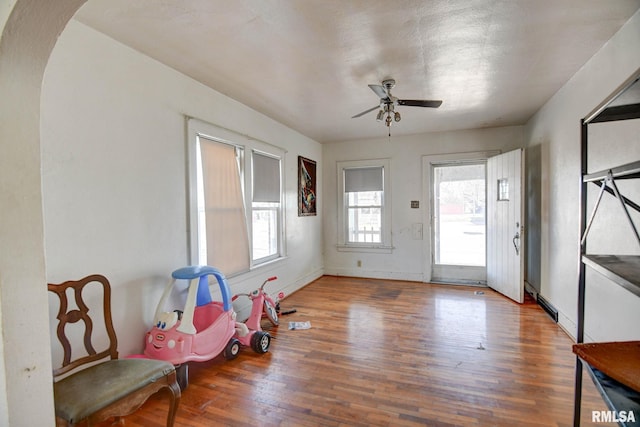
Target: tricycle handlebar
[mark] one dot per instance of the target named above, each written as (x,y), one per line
(268,280)
(235,297)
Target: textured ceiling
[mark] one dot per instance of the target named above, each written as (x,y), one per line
(307,63)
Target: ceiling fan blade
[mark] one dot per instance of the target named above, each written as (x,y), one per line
(419,103)
(380,91)
(365,112)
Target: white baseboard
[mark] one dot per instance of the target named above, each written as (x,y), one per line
(303,281)
(372,274)
(568,325)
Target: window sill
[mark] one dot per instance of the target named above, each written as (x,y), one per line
(379,249)
(268,262)
(255,270)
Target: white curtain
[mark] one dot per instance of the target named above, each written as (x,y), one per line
(227,236)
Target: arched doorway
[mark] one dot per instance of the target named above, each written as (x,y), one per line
(29,31)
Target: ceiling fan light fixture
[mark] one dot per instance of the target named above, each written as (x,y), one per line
(388,102)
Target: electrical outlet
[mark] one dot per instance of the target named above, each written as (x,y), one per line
(359,263)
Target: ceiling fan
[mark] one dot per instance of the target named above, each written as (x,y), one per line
(388,103)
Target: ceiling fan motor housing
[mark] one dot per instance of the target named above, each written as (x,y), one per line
(389,84)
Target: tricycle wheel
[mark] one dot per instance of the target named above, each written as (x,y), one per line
(232,349)
(271,312)
(182,375)
(260,342)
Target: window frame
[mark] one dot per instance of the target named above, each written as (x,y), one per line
(197,129)
(385,246)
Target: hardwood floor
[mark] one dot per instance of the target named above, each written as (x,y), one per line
(391,353)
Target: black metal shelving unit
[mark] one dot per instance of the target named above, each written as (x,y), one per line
(622,270)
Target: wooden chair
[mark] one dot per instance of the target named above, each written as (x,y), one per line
(87,390)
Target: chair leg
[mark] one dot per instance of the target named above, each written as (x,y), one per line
(174,388)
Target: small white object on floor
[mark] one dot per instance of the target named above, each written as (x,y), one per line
(299,325)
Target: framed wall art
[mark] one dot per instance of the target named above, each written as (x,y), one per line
(306,187)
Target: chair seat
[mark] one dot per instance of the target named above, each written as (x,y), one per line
(85,392)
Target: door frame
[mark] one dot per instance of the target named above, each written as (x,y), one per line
(427,215)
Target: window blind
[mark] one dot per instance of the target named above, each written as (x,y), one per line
(266,178)
(363,179)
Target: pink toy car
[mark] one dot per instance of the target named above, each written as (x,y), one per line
(204,328)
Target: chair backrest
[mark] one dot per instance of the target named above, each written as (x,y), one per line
(79,311)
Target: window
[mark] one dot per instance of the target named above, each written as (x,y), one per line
(265,207)
(222,233)
(459,200)
(503,189)
(364,220)
(363,190)
(236,191)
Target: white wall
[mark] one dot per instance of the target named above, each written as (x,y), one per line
(114,175)
(554,132)
(407,260)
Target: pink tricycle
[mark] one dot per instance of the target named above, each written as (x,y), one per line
(262,302)
(205,328)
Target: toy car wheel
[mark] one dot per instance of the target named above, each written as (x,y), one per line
(232,349)
(271,312)
(260,342)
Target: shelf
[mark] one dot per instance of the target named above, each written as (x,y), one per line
(618,360)
(623,105)
(614,367)
(616,396)
(630,170)
(621,269)
(620,112)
